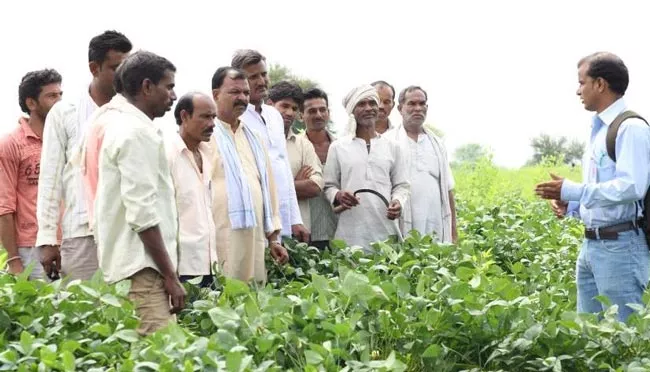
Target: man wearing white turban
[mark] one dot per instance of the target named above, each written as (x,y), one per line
(365,160)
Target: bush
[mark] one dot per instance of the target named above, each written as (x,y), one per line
(503,300)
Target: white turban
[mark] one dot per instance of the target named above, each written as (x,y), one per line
(351,100)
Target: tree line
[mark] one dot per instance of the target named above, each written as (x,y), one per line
(544,145)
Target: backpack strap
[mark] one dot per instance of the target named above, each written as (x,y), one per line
(610,142)
(612,131)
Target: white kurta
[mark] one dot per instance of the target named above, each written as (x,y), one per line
(426,199)
(350,167)
(426,211)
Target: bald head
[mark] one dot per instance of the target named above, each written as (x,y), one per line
(195,113)
(186,104)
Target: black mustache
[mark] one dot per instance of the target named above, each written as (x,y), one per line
(240,103)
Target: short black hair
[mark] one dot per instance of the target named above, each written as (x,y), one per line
(32,84)
(286,90)
(222,72)
(139,66)
(610,67)
(186,102)
(314,93)
(409,89)
(101,44)
(246,57)
(382,82)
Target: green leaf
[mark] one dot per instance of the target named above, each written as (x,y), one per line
(226,339)
(8,357)
(402,284)
(122,288)
(355,284)
(234,361)
(265,342)
(109,299)
(188,366)
(464,273)
(68,361)
(101,329)
(476,281)
(433,351)
(320,283)
(147,366)
(313,357)
(220,316)
(89,291)
(48,356)
(26,342)
(235,287)
(128,335)
(534,331)
(70,345)
(604,300)
(5,320)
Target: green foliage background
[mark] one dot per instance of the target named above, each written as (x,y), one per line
(502,300)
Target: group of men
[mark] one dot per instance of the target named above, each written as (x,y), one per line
(97,185)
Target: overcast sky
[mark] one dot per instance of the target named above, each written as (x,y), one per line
(497,72)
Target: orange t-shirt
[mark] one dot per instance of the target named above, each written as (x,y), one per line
(20,160)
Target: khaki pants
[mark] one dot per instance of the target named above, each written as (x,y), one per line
(151,301)
(79,258)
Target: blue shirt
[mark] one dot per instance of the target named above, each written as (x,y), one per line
(611,189)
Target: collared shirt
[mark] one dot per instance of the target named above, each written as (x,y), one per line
(351,167)
(242,251)
(20,155)
(197,233)
(323,218)
(301,153)
(61,182)
(610,190)
(135,192)
(86,156)
(270,126)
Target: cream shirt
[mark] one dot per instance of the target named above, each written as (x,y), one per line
(135,192)
(197,233)
(301,152)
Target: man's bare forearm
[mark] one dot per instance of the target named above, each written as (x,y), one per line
(8,234)
(452,205)
(154,245)
(306,189)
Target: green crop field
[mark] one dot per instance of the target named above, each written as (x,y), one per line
(503,300)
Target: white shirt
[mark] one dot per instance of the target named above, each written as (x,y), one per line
(350,167)
(197,232)
(60,181)
(270,126)
(424,176)
(135,192)
(428,209)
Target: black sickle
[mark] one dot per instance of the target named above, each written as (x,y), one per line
(372,192)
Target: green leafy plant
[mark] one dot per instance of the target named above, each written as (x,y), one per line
(503,299)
